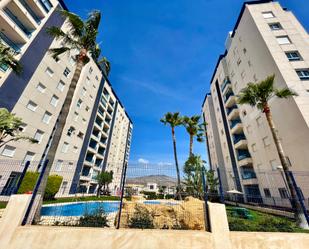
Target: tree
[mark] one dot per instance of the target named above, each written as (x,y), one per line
(80,37)
(104,179)
(258,95)
(7,59)
(194,129)
(174,120)
(105,65)
(212,182)
(11,128)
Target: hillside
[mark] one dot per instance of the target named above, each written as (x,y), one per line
(162,180)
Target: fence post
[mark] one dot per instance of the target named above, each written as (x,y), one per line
(207,225)
(299,196)
(21,177)
(34,193)
(220,186)
(122,194)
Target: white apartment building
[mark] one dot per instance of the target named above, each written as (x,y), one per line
(37,96)
(267,39)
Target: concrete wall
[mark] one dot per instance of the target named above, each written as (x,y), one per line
(14,236)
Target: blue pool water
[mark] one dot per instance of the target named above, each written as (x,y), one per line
(78,209)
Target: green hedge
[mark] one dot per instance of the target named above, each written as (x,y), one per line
(53,184)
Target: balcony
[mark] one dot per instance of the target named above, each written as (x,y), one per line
(93,144)
(16,20)
(46,5)
(99,121)
(7,41)
(232,112)
(238,137)
(229,99)
(34,16)
(90,158)
(244,157)
(101,111)
(101,150)
(98,163)
(248,173)
(103,102)
(226,85)
(236,126)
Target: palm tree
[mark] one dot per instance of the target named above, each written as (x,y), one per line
(10,128)
(7,59)
(105,65)
(173,120)
(81,36)
(258,95)
(194,129)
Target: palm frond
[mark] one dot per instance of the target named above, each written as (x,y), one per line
(285,93)
(59,34)
(93,21)
(55,52)
(7,58)
(75,23)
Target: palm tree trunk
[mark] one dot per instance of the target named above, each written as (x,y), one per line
(177,167)
(299,215)
(59,130)
(191,146)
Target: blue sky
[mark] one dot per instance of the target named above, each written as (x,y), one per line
(163,54)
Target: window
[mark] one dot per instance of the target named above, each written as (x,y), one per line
(8,151)
(66,72)
(32,106)
(90,70)
(266,141)
(65,147)
(244,50)
(54,100)
(80,135)
(58,165)
(275,26)
(87,81)
(38,135)
(22,127)
(70,131)
(96,78)
(79,103)
(303,74)
(282,40)
(293,56)
(238,62)
(60,86)
(75,149)
(63,187)
(283,193)
(41,88)
(46,117)
(249,63)
(87,108)
(28,157)
(49,72)
(72,60)
(268,14)
(83,91)
(267,192)
(75,116)
(56,59)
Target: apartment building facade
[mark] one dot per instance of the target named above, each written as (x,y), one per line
(267,39)
(37,96)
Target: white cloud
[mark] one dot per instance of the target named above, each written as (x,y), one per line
(143,161)
(165,164)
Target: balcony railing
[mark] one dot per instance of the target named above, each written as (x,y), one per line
(14,18)
(46,5)
(30,11)
(101,112)
(90,159)
(103,101)
(225,84)
(227,96)
(229,110)
(248,174)
(243,154)
(10,43)
(235,122)
(238,137)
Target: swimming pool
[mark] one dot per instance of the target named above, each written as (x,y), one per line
(80,208)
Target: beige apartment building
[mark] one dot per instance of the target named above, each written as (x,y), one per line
(98,129)
(267,39)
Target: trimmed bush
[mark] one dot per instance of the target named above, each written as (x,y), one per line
(98,218)
(150,195)
(53,184)
(142,218)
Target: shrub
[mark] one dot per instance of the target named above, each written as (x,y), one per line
(142,218)
(30,179)
(150,195)
(98,218)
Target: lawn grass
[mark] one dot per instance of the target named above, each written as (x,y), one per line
(85,198)
(262,222)
(3,204)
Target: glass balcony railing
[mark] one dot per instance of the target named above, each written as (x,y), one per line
(225,84)
(30,11)
(229,110)
(243,154)
(238,137)
(90,159)
(235,122)
(227,96)
(248,174)
(93,145)
(103,101)
(101,112)
(9,42)
(19,23)
(46,5)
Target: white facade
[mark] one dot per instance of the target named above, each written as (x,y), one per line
(266,40)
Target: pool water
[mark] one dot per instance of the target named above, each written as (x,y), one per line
(81,208)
